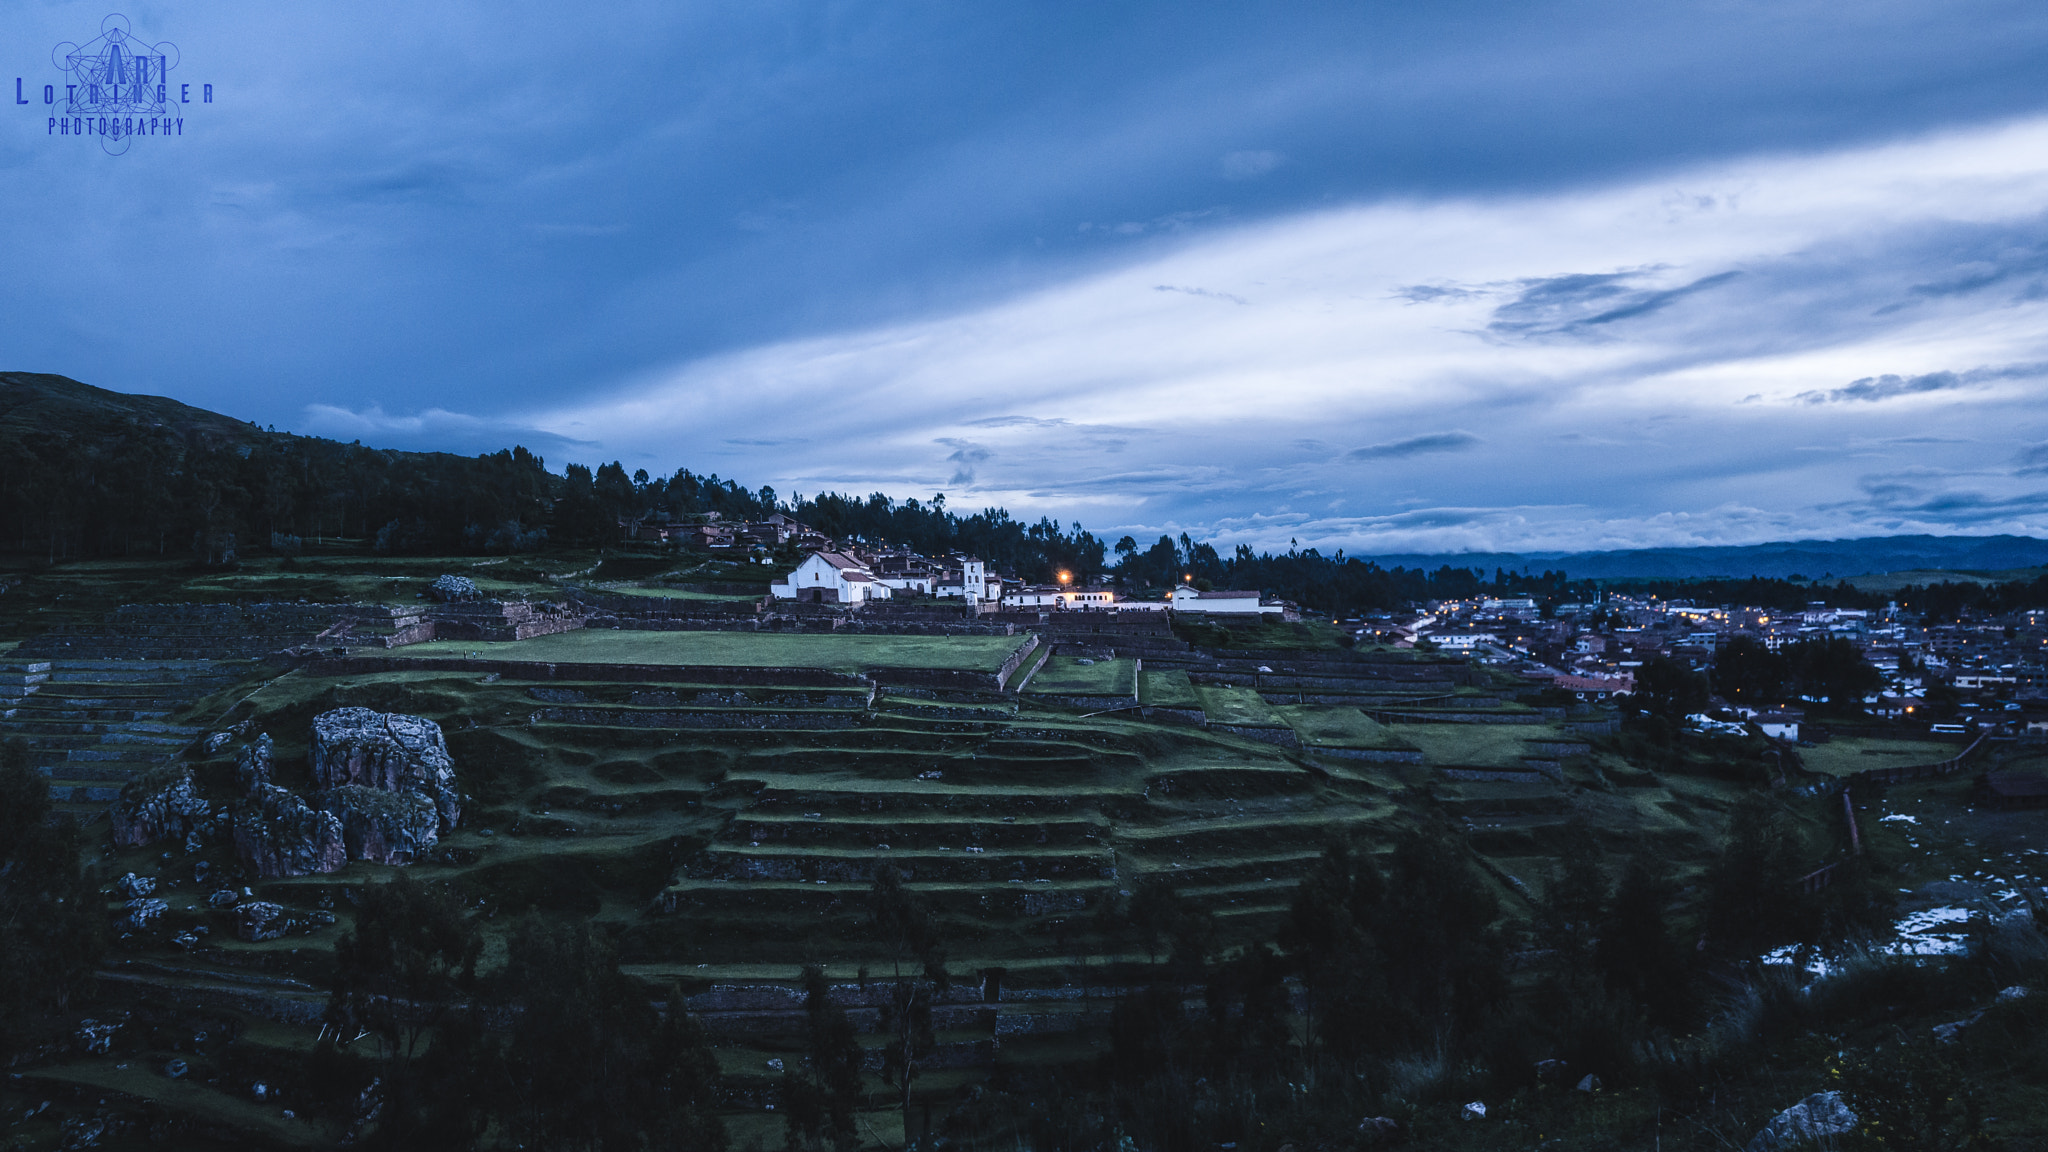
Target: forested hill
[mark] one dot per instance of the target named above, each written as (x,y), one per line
(1805,559)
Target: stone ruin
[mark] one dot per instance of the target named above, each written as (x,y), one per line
(387,792)
(448,589)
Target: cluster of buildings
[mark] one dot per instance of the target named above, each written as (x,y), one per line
(1998,665)
(854,575)
(709,533)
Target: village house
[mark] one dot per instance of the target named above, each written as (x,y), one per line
(1235,603)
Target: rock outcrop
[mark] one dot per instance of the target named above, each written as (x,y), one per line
(157,805)
(254,765)
(451,589)
(391,751)
(260,920)
(383,827)
(278,834)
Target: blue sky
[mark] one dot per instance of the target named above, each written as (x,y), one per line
(1389,277)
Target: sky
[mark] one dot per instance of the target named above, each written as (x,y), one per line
(1384,277)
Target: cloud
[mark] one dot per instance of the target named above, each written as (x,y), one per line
(1871,389)
(1249,165)
(1574,304)
(1016,422)
(967,455)
(2033,460)
(772,442)
(1200,292)
(1453,441)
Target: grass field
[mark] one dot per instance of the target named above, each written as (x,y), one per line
(1238,706)
(671,593)
(1475,745)
(1893,581)
(740,650)
(1339,726)
(1065,674)
(1167,690)
(1848,756)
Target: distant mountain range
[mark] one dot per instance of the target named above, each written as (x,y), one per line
(1813,559)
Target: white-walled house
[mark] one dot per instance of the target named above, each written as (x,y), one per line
(829,578)
(1238,603)
(1061,596)
(970,581)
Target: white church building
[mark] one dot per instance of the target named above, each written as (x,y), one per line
(830,578)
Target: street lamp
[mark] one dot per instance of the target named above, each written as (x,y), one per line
(1066,577)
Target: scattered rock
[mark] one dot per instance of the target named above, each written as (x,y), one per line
(156,805)
(144,910)
(215,741)
(1473,1111)
(97,1037)
(448,589)
(255,764)
(176,1068)
(386,750)
(775,1065)
(225,898)
(1379,1126)
(1551,1071)
(260,1090)
(1591,1083)
(132,886)
(84,1131)
(277,835)
(2016,992)
(1821,1114)
(383,827)
(260,920)
(186,939)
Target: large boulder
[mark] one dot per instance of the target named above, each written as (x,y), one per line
(254,765)
(1820,1115)
(278,834)
(386,750)
(157,805)
(452,589)
(383,827)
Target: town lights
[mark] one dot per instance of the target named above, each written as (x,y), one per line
(1066,577)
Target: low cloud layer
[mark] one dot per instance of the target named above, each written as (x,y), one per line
(1614,367)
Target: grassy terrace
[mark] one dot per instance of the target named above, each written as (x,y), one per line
(665,593)
(739,650)
(1238,706)
(1167,690)
(1476,745)
(1339,726)
(1848,756)
(1066,674)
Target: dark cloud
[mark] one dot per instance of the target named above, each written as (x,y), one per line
(1875,388)
(1200,292)
(1015,422)
(967,455)
(1452,441)
(1576,304)
(1430,293)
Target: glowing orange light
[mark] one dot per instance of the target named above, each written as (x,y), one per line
(1065,577)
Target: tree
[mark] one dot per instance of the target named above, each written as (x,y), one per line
(1669,690)
(1326,938)
(905,927)
(51,927)
(1638,950)
(1832,671)
(1752,903)
(1748,673)
(403,976)
(819,1101)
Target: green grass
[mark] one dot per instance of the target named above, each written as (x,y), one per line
(1848,756)
(672,594)
(1475,745)
(1238,706)
(1167,690)
(739,650)
(1065,674)
(1893,581)
(1339,726)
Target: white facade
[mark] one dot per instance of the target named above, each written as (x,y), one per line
(1188,599)
(829,578)
(1057,596)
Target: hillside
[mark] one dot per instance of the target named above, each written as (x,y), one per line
(1813,559)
